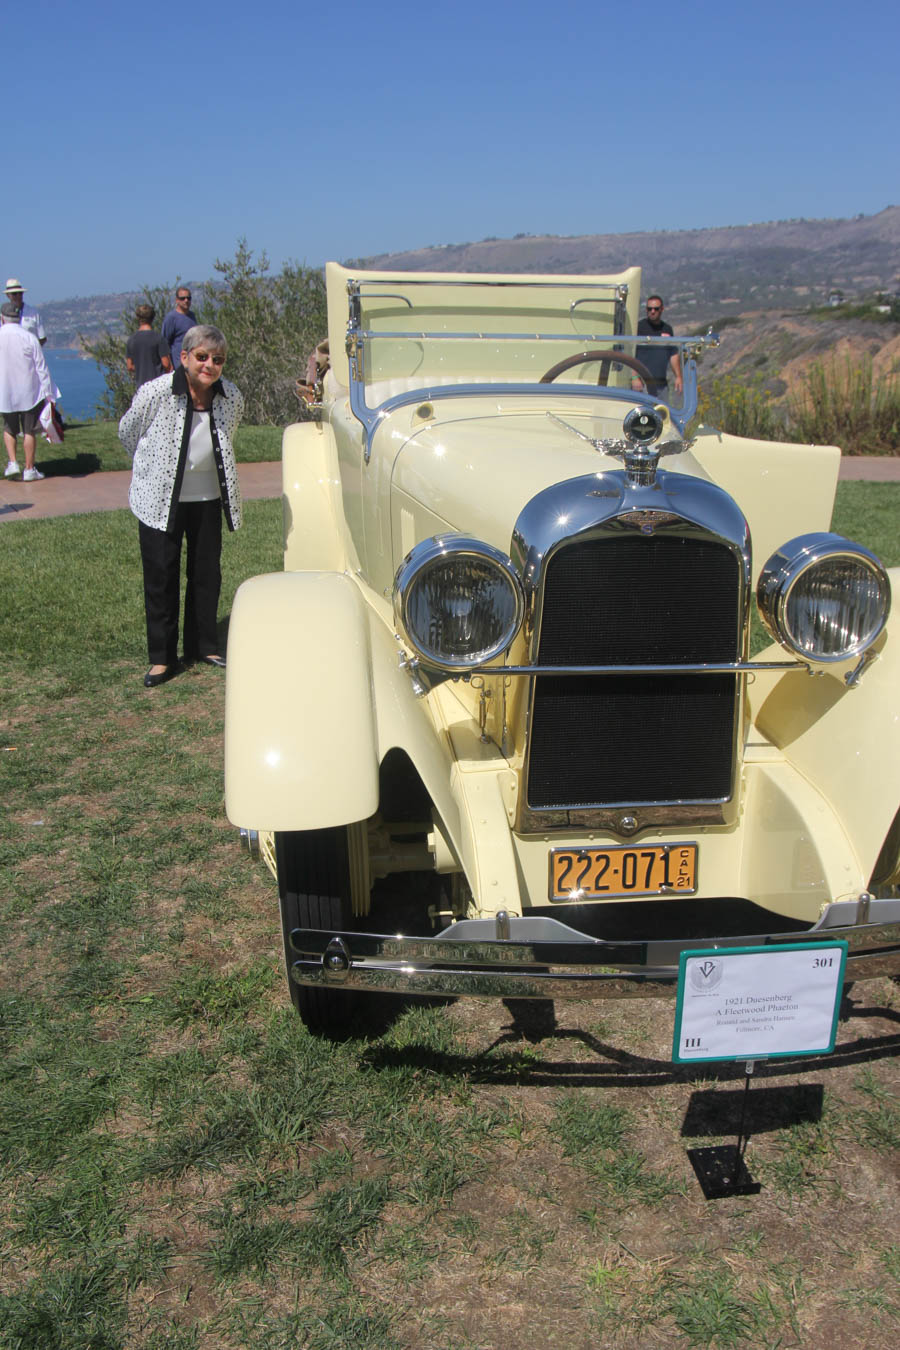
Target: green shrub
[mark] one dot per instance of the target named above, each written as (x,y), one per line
(272,323)
(741,407)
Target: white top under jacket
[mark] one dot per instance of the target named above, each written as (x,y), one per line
(156,433)
(24,375)
(200,482)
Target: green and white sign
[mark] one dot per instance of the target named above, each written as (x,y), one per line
(758,1002)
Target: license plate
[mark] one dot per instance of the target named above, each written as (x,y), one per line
(603,873)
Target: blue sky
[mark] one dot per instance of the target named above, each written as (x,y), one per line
(139,147)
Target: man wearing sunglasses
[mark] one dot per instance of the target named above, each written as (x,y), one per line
(177,322)
(658,359)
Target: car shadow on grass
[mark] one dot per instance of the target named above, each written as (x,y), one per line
(508,1060)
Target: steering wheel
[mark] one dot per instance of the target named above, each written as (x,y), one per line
(581,358)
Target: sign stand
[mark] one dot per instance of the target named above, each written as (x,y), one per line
(721,1169)
(747,1004)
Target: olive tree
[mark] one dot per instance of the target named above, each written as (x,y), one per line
(272,323)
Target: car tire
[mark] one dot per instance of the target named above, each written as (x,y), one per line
(314,892)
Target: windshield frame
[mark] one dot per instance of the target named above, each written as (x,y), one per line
(360,340)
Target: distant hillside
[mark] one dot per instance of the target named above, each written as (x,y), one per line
(701,273)
(87,316)
(778,347)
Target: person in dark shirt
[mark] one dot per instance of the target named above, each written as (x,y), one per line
(658,359)
(177,322)
(146,352)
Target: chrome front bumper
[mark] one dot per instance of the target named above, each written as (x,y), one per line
(543,958)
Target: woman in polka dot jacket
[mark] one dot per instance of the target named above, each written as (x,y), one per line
(179,432)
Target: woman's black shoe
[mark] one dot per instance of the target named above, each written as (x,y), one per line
(151,681)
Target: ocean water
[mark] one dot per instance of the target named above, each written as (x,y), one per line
(80,382)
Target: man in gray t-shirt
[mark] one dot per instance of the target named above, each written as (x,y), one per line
(146,352)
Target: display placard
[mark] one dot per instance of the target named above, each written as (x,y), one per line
(758,1002)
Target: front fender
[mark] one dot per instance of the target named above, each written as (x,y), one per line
(300,731)
(844,741)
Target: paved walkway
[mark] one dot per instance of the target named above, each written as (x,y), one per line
(64,495)
(871,468)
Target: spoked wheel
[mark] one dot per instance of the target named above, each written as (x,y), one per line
(315,889)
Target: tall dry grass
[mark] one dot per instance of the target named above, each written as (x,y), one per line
(844,403)
(839,403)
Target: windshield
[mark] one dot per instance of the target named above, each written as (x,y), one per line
(409,338)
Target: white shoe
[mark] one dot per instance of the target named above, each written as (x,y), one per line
(12,470)
(31,476)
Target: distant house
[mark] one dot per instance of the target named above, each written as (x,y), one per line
(835,298)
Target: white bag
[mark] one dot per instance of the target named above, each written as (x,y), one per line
(49,426)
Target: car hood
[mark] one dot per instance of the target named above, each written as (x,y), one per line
(477,472)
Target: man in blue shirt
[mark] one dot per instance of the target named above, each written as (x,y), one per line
(177,322)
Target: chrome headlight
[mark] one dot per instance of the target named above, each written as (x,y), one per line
(458,601)
(824,597)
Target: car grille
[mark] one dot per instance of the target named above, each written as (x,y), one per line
(610,740)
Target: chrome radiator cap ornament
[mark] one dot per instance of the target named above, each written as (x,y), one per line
(643,428)
(639,449)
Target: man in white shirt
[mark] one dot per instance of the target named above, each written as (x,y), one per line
(29,318)
(25,386)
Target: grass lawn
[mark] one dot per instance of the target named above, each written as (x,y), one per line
(91,447)
(182,1167)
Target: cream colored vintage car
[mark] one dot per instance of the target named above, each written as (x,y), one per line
(510,657)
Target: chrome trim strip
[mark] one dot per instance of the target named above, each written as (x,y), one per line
(564,969)
(355,284)
(371,418)
(620,297)
(480,335)
(389,295)
(710,668)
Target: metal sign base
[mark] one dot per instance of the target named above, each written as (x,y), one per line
(721,1169)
